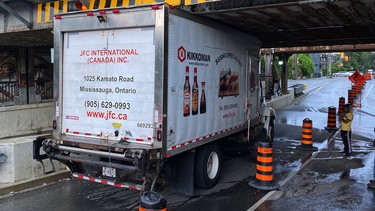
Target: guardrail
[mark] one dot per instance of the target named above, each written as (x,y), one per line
(298,89)
(7,91)
(10,89)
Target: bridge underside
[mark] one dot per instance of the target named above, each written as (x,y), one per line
(292,23)
(30,38)
(277,23)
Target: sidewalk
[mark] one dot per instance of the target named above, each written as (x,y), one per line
(10,188)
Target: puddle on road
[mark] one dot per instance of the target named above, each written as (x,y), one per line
(340,179)
(331,183)
(239,197)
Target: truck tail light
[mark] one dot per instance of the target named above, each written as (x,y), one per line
(155,7)
(90,13)
(115,11)
(159,135)
(54,124)
(102,12)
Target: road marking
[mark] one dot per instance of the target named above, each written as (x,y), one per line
(364,98)
(263,199)
(311,91)
(319,87)
(289,177)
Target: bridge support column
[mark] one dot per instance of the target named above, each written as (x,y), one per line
(268,75)
(316,61)
(25,72)
(284,72)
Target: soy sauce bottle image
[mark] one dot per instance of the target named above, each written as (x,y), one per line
(203,99)
(195,94)
(186,102)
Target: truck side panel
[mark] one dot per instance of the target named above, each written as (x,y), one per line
(218,62)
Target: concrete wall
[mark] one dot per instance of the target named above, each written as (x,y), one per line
(25,119)
(19,164)
(23,123)
(277,102)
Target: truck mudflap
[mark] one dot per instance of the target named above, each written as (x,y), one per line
(114,183)
(268,120)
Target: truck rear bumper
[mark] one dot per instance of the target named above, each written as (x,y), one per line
(93,163)
(110,182)
(86,158)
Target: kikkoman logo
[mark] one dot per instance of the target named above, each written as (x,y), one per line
(183,55)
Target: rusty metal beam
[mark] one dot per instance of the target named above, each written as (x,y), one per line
(15,14)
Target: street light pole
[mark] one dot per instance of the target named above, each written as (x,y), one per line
(329,65)
(295,73)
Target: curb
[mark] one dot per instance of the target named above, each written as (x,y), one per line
(8,188)
(291,174)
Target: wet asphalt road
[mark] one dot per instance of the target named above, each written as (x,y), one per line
(323,93)
(330,181)
(327,181)
(232,192)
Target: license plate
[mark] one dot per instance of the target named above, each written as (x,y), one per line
(109,172)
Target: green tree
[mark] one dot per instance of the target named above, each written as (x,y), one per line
(324,70)
(337,67)
(305,66)
(359,60)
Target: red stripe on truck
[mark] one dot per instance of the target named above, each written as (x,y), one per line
(201,138)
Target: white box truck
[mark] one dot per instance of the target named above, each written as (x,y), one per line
(146,95)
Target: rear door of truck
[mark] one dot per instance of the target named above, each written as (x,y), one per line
(107,82)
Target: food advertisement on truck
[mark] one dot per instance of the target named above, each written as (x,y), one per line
(207,81)
(108,84)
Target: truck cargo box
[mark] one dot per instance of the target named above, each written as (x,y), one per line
(134,87)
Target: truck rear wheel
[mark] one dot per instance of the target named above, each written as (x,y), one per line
(207,166)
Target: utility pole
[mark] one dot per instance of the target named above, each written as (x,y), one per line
(295,72)
(329,64)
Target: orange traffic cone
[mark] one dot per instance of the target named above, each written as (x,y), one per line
(307,140)
(331,123)
(152,201)
(264,173)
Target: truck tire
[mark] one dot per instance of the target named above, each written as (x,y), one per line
(207,166)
